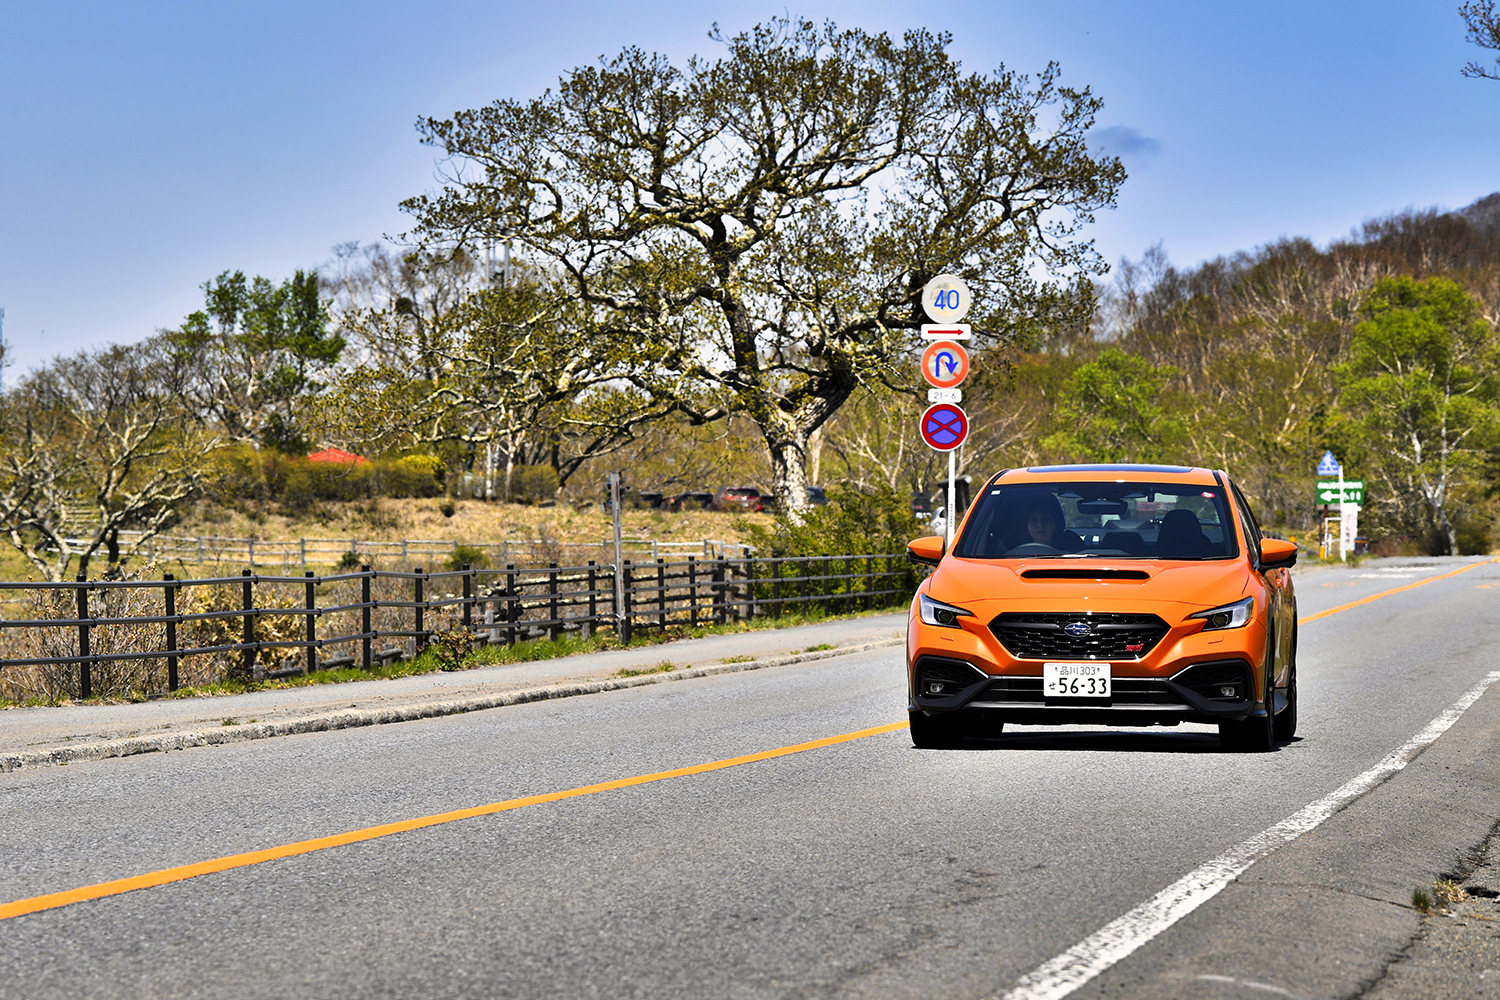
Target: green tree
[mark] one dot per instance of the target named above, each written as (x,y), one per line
(757,228)
(1112,411)
(255,354)
(1420,384)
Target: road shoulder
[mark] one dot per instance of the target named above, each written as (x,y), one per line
(1334,907)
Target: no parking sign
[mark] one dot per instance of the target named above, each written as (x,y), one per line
(944,426)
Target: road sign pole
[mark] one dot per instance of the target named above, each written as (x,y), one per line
(1343,556)
(952,514)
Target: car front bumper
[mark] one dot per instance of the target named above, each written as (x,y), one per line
(1195,693)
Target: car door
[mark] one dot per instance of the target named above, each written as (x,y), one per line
(1281,608)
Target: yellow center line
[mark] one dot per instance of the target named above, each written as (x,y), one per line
(53,900)
(1387,593)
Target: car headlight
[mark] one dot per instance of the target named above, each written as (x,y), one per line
(1236,615)
(940,614)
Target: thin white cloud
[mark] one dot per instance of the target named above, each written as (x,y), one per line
(1125,142)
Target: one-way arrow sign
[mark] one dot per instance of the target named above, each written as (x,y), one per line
(1354,492)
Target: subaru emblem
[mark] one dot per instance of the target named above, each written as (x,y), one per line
(1078,629)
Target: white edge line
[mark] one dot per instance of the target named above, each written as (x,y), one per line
(1122,936)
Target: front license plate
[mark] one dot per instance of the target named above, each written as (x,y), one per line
(1075,680)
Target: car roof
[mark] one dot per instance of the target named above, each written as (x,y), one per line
(1123,473)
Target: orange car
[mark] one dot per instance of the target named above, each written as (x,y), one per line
(1117,594)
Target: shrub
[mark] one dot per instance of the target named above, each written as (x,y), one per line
(851,523)
(451,647)
(533,483)
(297,484)
(471,555)
(350,561)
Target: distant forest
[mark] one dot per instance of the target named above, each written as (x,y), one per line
(1381,347)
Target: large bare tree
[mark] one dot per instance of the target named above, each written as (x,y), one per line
(762,223)
(93,445)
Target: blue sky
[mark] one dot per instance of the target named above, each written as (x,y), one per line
(146,147)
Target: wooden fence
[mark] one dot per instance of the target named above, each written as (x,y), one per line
(255,626)
(200,550)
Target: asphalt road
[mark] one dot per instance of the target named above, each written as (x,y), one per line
(859,869)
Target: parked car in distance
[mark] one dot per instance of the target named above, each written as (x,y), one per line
(921,506)
(1118,595)
(738,498)
(816,496)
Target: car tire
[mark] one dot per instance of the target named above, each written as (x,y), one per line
(935,732)
(1257,734)
(1286,720)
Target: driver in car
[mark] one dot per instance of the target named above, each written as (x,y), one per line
(1040,522)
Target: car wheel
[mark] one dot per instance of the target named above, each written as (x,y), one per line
(1286,721)
(935,732)
(1256,734)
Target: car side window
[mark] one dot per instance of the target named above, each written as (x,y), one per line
(1251,526)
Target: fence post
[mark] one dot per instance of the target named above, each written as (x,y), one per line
(310,602)
(85,680)
(302,547)
(661,589)
(200,550)
(776,585)
(588,623)
(750,585)
(693,591)
(364,599)
(247,589)
(827,585)
(467,604)
(626,626)
(554,623)
(721,595)
(169,593)
(419,626)
(512,604)
(251,543)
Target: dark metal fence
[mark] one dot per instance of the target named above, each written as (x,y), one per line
(255,626)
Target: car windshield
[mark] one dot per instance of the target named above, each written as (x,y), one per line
(1082,519)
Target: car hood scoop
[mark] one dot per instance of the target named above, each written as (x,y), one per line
(1085,574)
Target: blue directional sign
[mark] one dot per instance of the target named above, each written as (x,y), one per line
(1329,466)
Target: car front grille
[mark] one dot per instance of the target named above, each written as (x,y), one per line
(1049,635)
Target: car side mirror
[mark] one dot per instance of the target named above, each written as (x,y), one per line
(1276,554)
(927,550)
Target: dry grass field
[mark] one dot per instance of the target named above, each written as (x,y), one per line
(473,522)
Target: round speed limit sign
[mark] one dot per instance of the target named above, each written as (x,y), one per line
(946,299)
